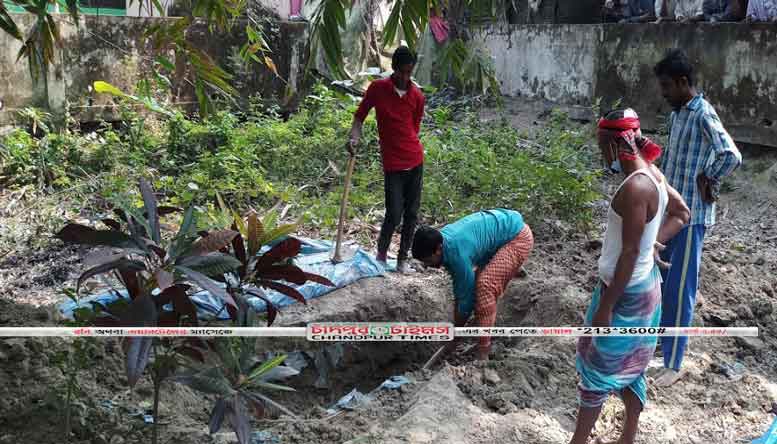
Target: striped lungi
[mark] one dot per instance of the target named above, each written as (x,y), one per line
(611,364)
(494,277)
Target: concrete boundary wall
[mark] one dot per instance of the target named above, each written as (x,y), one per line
(116,50)
(577,64)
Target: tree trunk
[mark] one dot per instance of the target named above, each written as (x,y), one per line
(371,40)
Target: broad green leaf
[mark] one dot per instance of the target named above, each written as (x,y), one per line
(185,237)
(265,367)
(212,264)
(240,223)
(166,63)
(271,386)
(277,233)
(106,88)
(210,380)
(150,204)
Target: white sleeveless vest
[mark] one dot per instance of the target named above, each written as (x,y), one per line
(613,241)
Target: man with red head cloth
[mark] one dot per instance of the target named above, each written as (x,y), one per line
(644,210)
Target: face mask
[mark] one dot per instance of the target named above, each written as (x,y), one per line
(615,166)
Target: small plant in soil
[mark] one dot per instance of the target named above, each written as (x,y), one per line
(154,273)
(228,367)
(269,270)
(71,361)
(157,272)
(230,370)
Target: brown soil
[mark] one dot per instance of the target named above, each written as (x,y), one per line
(524,394)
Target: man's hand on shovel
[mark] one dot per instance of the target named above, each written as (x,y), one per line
(351,146)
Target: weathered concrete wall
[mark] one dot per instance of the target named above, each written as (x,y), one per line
(736,64)
(576,64)
(553,62)
(116,50)
(16,87)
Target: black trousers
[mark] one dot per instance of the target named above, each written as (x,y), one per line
(403,200)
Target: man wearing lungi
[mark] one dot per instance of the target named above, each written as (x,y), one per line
(644,210)
(482,252)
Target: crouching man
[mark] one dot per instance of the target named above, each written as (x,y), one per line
(482,252)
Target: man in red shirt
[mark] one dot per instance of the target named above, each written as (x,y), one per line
(399,108)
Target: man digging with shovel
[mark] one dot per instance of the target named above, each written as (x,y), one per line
(399,109)
(483,252)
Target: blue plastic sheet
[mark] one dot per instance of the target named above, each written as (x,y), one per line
(394,382)
(315,257)
(351,401)
(770,437)
(264,437)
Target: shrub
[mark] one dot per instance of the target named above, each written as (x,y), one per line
(257,160)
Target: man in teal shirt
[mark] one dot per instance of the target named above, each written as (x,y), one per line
(482,252)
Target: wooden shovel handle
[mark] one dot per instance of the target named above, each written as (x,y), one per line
(343,206)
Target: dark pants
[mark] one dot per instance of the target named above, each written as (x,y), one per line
(403,199)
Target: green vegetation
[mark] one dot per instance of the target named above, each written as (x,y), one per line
(259,160)
(143,258)
(254,159)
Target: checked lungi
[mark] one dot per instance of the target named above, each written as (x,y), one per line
(495,275)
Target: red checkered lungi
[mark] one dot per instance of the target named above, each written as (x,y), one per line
(494,277)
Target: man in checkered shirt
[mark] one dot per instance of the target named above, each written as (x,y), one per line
(698,155)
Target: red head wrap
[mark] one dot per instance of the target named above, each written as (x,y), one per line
(623,125)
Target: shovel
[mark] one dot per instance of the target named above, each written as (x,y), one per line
(343,205)
(447,348)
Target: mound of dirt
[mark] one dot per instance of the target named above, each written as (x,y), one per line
(440,413)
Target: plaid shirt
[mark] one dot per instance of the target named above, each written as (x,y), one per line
(698,144)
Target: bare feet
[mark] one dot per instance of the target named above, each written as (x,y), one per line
(668,377)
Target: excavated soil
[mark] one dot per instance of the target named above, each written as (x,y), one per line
(524,394)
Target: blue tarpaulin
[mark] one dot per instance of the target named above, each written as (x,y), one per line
(315,257)
(770,437)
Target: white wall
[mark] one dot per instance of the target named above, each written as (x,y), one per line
(552,62)
(145,8)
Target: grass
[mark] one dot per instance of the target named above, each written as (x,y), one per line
(260,160)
